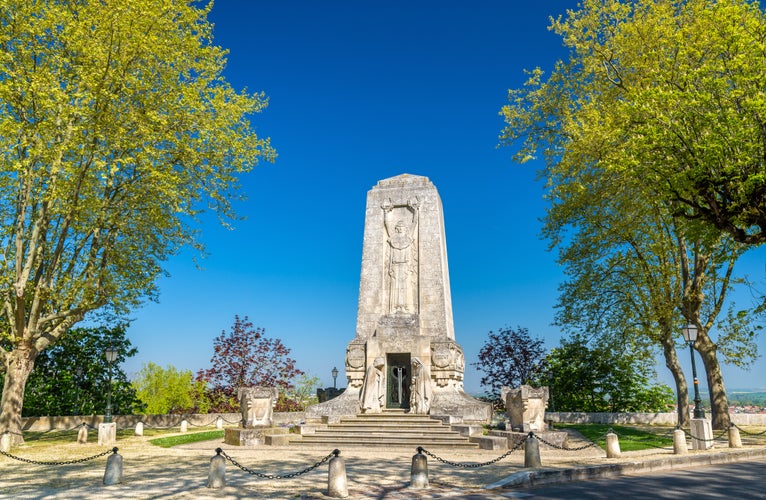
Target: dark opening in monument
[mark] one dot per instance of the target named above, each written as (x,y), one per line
(398,380)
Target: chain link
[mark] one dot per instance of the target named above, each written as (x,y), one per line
(749,433)
(705,440)
(579,448)
(334,453)
(66,462)
(471,465)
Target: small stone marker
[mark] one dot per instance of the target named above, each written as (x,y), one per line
(679,442)
(139,429)
(337,484)
(612,445)
(5,442)
(734,440)
(419,470)
(82,434)
(184,426)
(219,423)
(113,472)
(216,478)
(107,434)
(532,452)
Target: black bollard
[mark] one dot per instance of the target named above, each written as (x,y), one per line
(419,470)
(216,478)
(532,452)
(113,472)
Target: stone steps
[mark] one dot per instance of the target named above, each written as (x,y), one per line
(384,430)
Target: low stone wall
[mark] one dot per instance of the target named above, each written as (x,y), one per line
(44,424)
(758,419)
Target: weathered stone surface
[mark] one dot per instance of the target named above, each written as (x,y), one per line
(257,405)
(490,442)
(250,437)
(404,317)
(107,434)
(525,407)
(702,434)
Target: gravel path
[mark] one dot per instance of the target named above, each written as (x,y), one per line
(150,472)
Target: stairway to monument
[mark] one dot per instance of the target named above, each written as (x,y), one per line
(390,429)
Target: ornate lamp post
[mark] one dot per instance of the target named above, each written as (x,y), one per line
(690,335)
(111,355)
(334,378)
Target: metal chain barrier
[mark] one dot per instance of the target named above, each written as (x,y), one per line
(471,465)
(579,448)
(743,431)
(209,424)
(334,453)
(66,462)
(704,440)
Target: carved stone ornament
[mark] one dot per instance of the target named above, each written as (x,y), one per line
(441,355)
(355,356)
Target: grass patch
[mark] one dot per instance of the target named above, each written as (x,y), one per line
(631,438)
(170,441)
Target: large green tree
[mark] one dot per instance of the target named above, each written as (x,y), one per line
(169,390)
(73,376)
(599,376)
(668,92)
(116,130)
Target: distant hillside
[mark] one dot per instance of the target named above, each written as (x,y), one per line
(745,398)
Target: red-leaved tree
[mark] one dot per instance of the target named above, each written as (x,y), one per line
(245,357)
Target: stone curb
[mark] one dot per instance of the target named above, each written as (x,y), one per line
(588,472)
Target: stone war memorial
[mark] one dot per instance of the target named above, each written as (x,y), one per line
(404,357)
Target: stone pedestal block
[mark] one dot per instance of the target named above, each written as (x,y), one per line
(702,434)
(251,437)
(107,434)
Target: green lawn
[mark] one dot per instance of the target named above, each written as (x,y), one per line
(169,441)
(630,438)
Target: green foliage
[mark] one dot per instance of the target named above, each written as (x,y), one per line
(117,129)
(169,390)
(300,396)
(602,378)
(170,441)
(666,94)
(72,378)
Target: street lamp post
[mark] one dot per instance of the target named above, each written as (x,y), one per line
(334,378)
(690,335)
(111,355)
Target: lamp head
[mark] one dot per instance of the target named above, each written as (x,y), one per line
(689,332)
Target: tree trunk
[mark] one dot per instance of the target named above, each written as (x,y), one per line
(682,390)
(18,365)
(719,403)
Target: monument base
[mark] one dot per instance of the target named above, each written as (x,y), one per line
(255,436)
(460,406)
(345,405)
(557,438)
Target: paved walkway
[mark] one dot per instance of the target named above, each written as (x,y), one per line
(150,472)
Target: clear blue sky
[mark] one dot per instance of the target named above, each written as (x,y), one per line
(361,91)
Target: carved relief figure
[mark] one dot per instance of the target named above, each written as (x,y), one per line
(373,391)
(420,388)
(256,405)
(401,222)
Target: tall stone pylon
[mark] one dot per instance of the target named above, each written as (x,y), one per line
(404,356)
